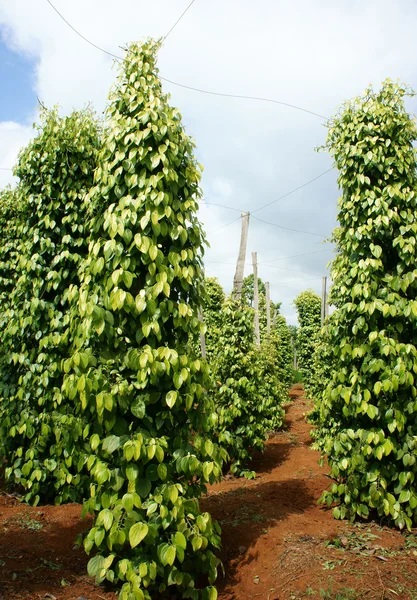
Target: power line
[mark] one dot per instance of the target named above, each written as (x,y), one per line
(219,262)
(269,223)
(221,206)
(5,169)
(243,97)
(294,270)
(293,256)
(292,191)
(189,87)
(278,199)
(179,19)
(223,226)
(81,35)
(289,228)
(289,283)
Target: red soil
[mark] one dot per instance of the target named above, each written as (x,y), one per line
(276,538)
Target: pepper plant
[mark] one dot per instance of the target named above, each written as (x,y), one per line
(285,349)
(130,376)
(212,306)
(367,425)
(248,393)
(55,172)
(308,305)
(12,214)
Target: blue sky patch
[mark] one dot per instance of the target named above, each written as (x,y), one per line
(17,77)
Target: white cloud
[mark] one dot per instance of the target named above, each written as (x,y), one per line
(13,137)
(313,55)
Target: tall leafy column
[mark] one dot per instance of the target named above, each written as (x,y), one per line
(12,214)
(286,352)
(248,393)
(55,172)
(212,308)
(308,306)
(368,410)
(141,394)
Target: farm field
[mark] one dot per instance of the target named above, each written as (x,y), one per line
(278,544)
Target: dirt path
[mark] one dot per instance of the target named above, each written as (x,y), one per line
(278,544)
(277,539)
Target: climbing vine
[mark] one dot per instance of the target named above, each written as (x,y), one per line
(367,417)
(55,172)
(308,305)
(143,397)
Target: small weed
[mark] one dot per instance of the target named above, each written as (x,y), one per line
(258,518)
(247,514)
(329,565)
(410,541)
(25,521)
(346,594)
(293,438)
(358,543)
(51,564)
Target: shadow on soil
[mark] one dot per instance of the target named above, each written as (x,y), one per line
(243,521)
(34,561)
(276,453)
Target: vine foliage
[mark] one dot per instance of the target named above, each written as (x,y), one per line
(367,410)
(55,172)
(140,393)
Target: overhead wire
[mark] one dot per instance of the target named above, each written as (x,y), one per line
(189,87)
(273,201)
(293,270)
(5,169)
(293,256)
(292,191)
(289,228)
(81,35)
(178,20)
(221,206)
(223,226)
(291,281)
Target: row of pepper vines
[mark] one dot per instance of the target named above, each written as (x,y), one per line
(104,396)
(250,383)
(365,365)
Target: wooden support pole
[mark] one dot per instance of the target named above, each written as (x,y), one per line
(256,298)
(240,265)
(294,353)
(323,299)
(202,336)
(326,308)
(268,308)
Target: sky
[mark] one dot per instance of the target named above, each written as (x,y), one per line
(314,55)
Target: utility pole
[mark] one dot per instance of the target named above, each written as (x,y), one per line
(324,310)
(256,298)
(268,308)
(202,336)
(294,353)
(240,265)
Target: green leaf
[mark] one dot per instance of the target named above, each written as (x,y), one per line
(137,533)
(171,398)
(179,540)
(111,443)
(143,487)
(170,554)
(95,565)
(138,408)
(132,472)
